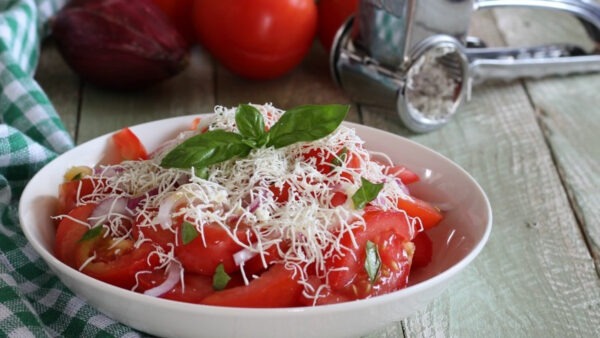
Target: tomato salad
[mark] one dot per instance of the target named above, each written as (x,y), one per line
(252,207)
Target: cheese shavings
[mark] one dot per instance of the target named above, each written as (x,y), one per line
(279,199)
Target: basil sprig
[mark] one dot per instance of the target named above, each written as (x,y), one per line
(299,124)
(366,193)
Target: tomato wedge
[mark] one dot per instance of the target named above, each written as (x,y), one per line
(389,232)
(430,215)
(404,174)
(326,295)
(110,260)
(69,232)
(423,250)
(203,259)
(196,287)
(277,287)
(129,145)
(69,192)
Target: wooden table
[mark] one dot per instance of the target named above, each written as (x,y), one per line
(533,145)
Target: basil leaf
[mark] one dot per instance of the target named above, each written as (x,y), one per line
(250,122)
(366,193)
(188,232)
(306,123)
(372,261)
(340,159)
(206,149)
(91,233)
(220,278)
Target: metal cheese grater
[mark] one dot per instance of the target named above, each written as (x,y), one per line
(414,56)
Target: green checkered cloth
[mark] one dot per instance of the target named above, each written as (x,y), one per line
(33,302)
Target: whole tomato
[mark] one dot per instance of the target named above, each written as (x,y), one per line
(332,14)
(257,39)
(180,14)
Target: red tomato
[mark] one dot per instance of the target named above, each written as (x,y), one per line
(389,231)
(258,39)
(254,266)
(414,207)
(196,288)
(114,262)
(423,250)
(332,14)
(220,248)
(68,193)
(338,198)
(179,13)
(403,174)
(70,232)
(129,145)
(277,287)
(326,296)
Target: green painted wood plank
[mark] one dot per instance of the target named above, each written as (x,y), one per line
(569,111)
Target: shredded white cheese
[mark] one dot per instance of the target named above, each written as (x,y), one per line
(239,193)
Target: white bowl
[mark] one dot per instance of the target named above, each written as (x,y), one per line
(457,241)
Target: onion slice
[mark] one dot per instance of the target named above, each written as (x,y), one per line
(173,272)
(243,256)
(108,209)
(165,209)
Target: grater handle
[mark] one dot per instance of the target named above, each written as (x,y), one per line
(540,61)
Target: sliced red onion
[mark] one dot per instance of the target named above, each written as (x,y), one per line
(134,202)
(165,209)
(173,273)
(107,210)
(243,256)
(402,186)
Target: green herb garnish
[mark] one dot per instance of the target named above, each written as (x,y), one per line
(366,193)
(299,124)
(220,278)
(188,232)
(340,159)
(372,261)
(91,233)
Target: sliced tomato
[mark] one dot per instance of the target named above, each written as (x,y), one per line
(390,233)
(404,174)
(69,192)
(325,296)
(321,158)
(423,250)
(69,232)
(158,235)
(281,195)
(430,215)
(255,265)
(338,198)
(277,287)
(197,257)
(129,145)
(113,261)
(196,287)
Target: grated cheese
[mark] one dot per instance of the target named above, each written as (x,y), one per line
(238,194)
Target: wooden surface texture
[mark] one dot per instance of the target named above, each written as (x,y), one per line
(533,145)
